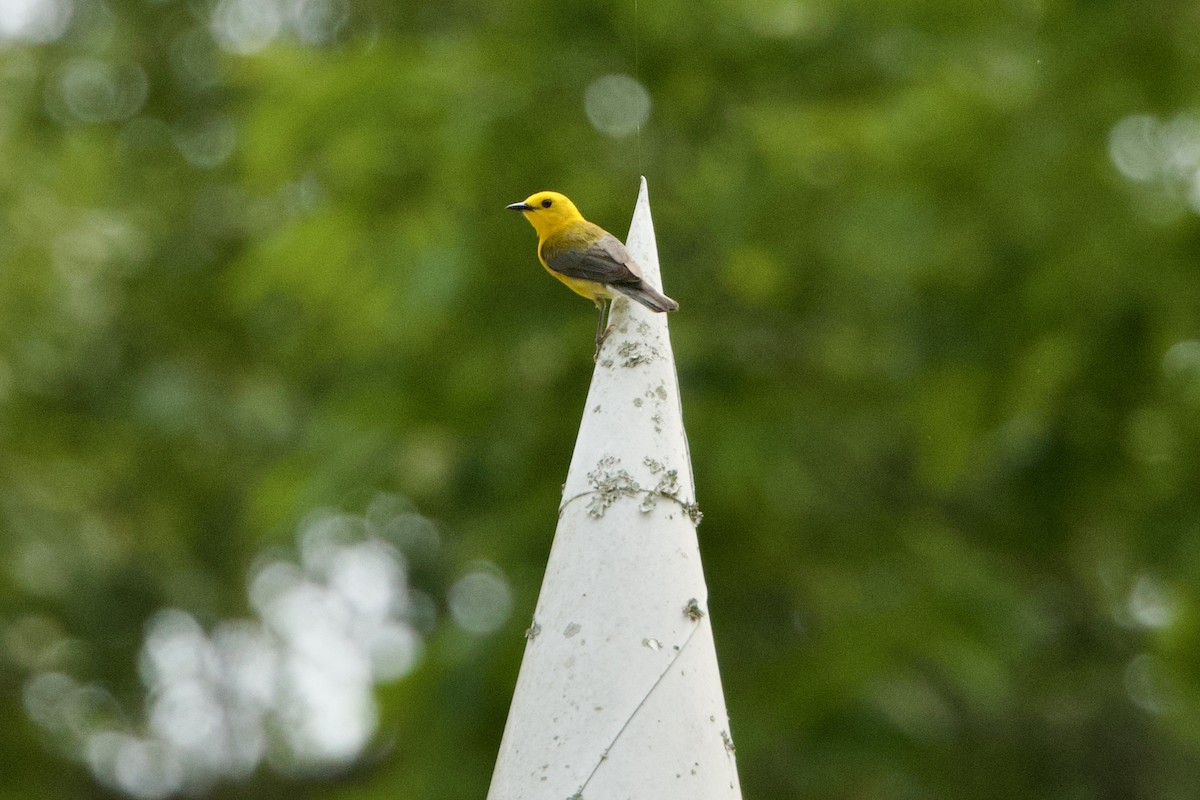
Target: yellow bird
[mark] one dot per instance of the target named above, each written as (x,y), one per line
(588,259)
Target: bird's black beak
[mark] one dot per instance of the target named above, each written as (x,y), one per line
(519,207)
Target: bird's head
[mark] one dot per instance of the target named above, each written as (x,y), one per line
(547,211)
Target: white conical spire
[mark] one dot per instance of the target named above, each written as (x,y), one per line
(619,697)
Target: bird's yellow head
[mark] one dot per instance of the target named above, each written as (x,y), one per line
(547,212)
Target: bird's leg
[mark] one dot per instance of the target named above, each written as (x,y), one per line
(601,331)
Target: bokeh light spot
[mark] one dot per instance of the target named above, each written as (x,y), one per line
(294,686)
(319,21)
(94,91)
(1133,147)
(616,105)
(1145,684)
(146,769)
(246,27)
(1150,604)
(917,709)
(34,21)
(206,142)
(480,601)
(1164,154)
(1181,368)
(194,60)
(789,19)
(44,694)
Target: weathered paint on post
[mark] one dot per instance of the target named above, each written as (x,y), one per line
(619,697)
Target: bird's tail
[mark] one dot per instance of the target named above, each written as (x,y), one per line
(647,295)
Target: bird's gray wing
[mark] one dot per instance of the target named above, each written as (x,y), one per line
(604,261)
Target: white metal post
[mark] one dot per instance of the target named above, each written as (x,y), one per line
(619,697)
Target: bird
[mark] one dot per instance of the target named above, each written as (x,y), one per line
(588,259)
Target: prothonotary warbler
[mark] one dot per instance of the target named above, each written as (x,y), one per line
(588,259)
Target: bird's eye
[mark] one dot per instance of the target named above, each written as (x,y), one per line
(547,203)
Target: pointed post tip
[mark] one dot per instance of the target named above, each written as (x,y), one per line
(641,240)
(643,197)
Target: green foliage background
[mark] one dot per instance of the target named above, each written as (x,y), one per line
(937,356)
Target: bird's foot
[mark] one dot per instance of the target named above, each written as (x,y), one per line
(600,341)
